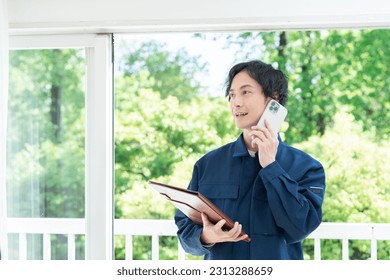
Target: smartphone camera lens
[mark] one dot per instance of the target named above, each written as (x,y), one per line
(274,107)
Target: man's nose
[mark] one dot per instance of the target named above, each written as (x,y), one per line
(238,101)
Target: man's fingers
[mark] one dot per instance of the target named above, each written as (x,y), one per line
(237,234)
(214,233)
(220,224)
(268,126)
(262,132)
(205,220)
(242,237)
(236,230)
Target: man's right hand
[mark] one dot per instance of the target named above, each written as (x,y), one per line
(212,234)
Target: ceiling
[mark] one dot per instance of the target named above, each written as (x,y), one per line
(108,16)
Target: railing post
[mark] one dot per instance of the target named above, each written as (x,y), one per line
(181,253)
(71,247)
(46,246)
(155,247)
(129,247)
(22,246)
(317,248)
(374,249)
(345,247)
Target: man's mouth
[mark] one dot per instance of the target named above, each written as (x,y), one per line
(240,114)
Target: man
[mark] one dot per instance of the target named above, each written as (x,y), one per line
(274,191)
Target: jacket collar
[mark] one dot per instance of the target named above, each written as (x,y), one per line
(240,149)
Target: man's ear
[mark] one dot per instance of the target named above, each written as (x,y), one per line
(276,96)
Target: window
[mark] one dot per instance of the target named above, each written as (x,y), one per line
(169,113)
(46,141)
(59,148)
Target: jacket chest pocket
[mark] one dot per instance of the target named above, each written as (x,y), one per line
(223,196)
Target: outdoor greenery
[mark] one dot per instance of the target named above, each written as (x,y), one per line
(339,111)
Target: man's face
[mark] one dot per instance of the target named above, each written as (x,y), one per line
(247,100)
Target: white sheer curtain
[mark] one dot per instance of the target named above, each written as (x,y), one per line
(3,124)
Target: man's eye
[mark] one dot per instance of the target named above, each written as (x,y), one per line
(246,92)
(231,95)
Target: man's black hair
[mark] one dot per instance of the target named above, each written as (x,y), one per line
(273,82)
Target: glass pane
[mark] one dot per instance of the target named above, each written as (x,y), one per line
(46,140)
(170,110)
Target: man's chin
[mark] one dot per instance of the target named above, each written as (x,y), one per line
(242,125)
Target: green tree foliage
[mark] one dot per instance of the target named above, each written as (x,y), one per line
(358,183)
(326,69)
(171,74)
(46,134)
(367,88)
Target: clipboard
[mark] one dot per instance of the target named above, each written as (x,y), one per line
(192,204)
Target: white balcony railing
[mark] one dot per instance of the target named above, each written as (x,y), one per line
(157,228)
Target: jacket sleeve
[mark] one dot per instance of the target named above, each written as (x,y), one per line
(296,204)
(188,231)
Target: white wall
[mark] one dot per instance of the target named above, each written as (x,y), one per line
(70,16)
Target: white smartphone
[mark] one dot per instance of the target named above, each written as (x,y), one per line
(275,114)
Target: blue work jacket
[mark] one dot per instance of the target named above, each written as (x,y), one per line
(278,206)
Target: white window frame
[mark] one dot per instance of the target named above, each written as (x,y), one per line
(99,188)
(4,61)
